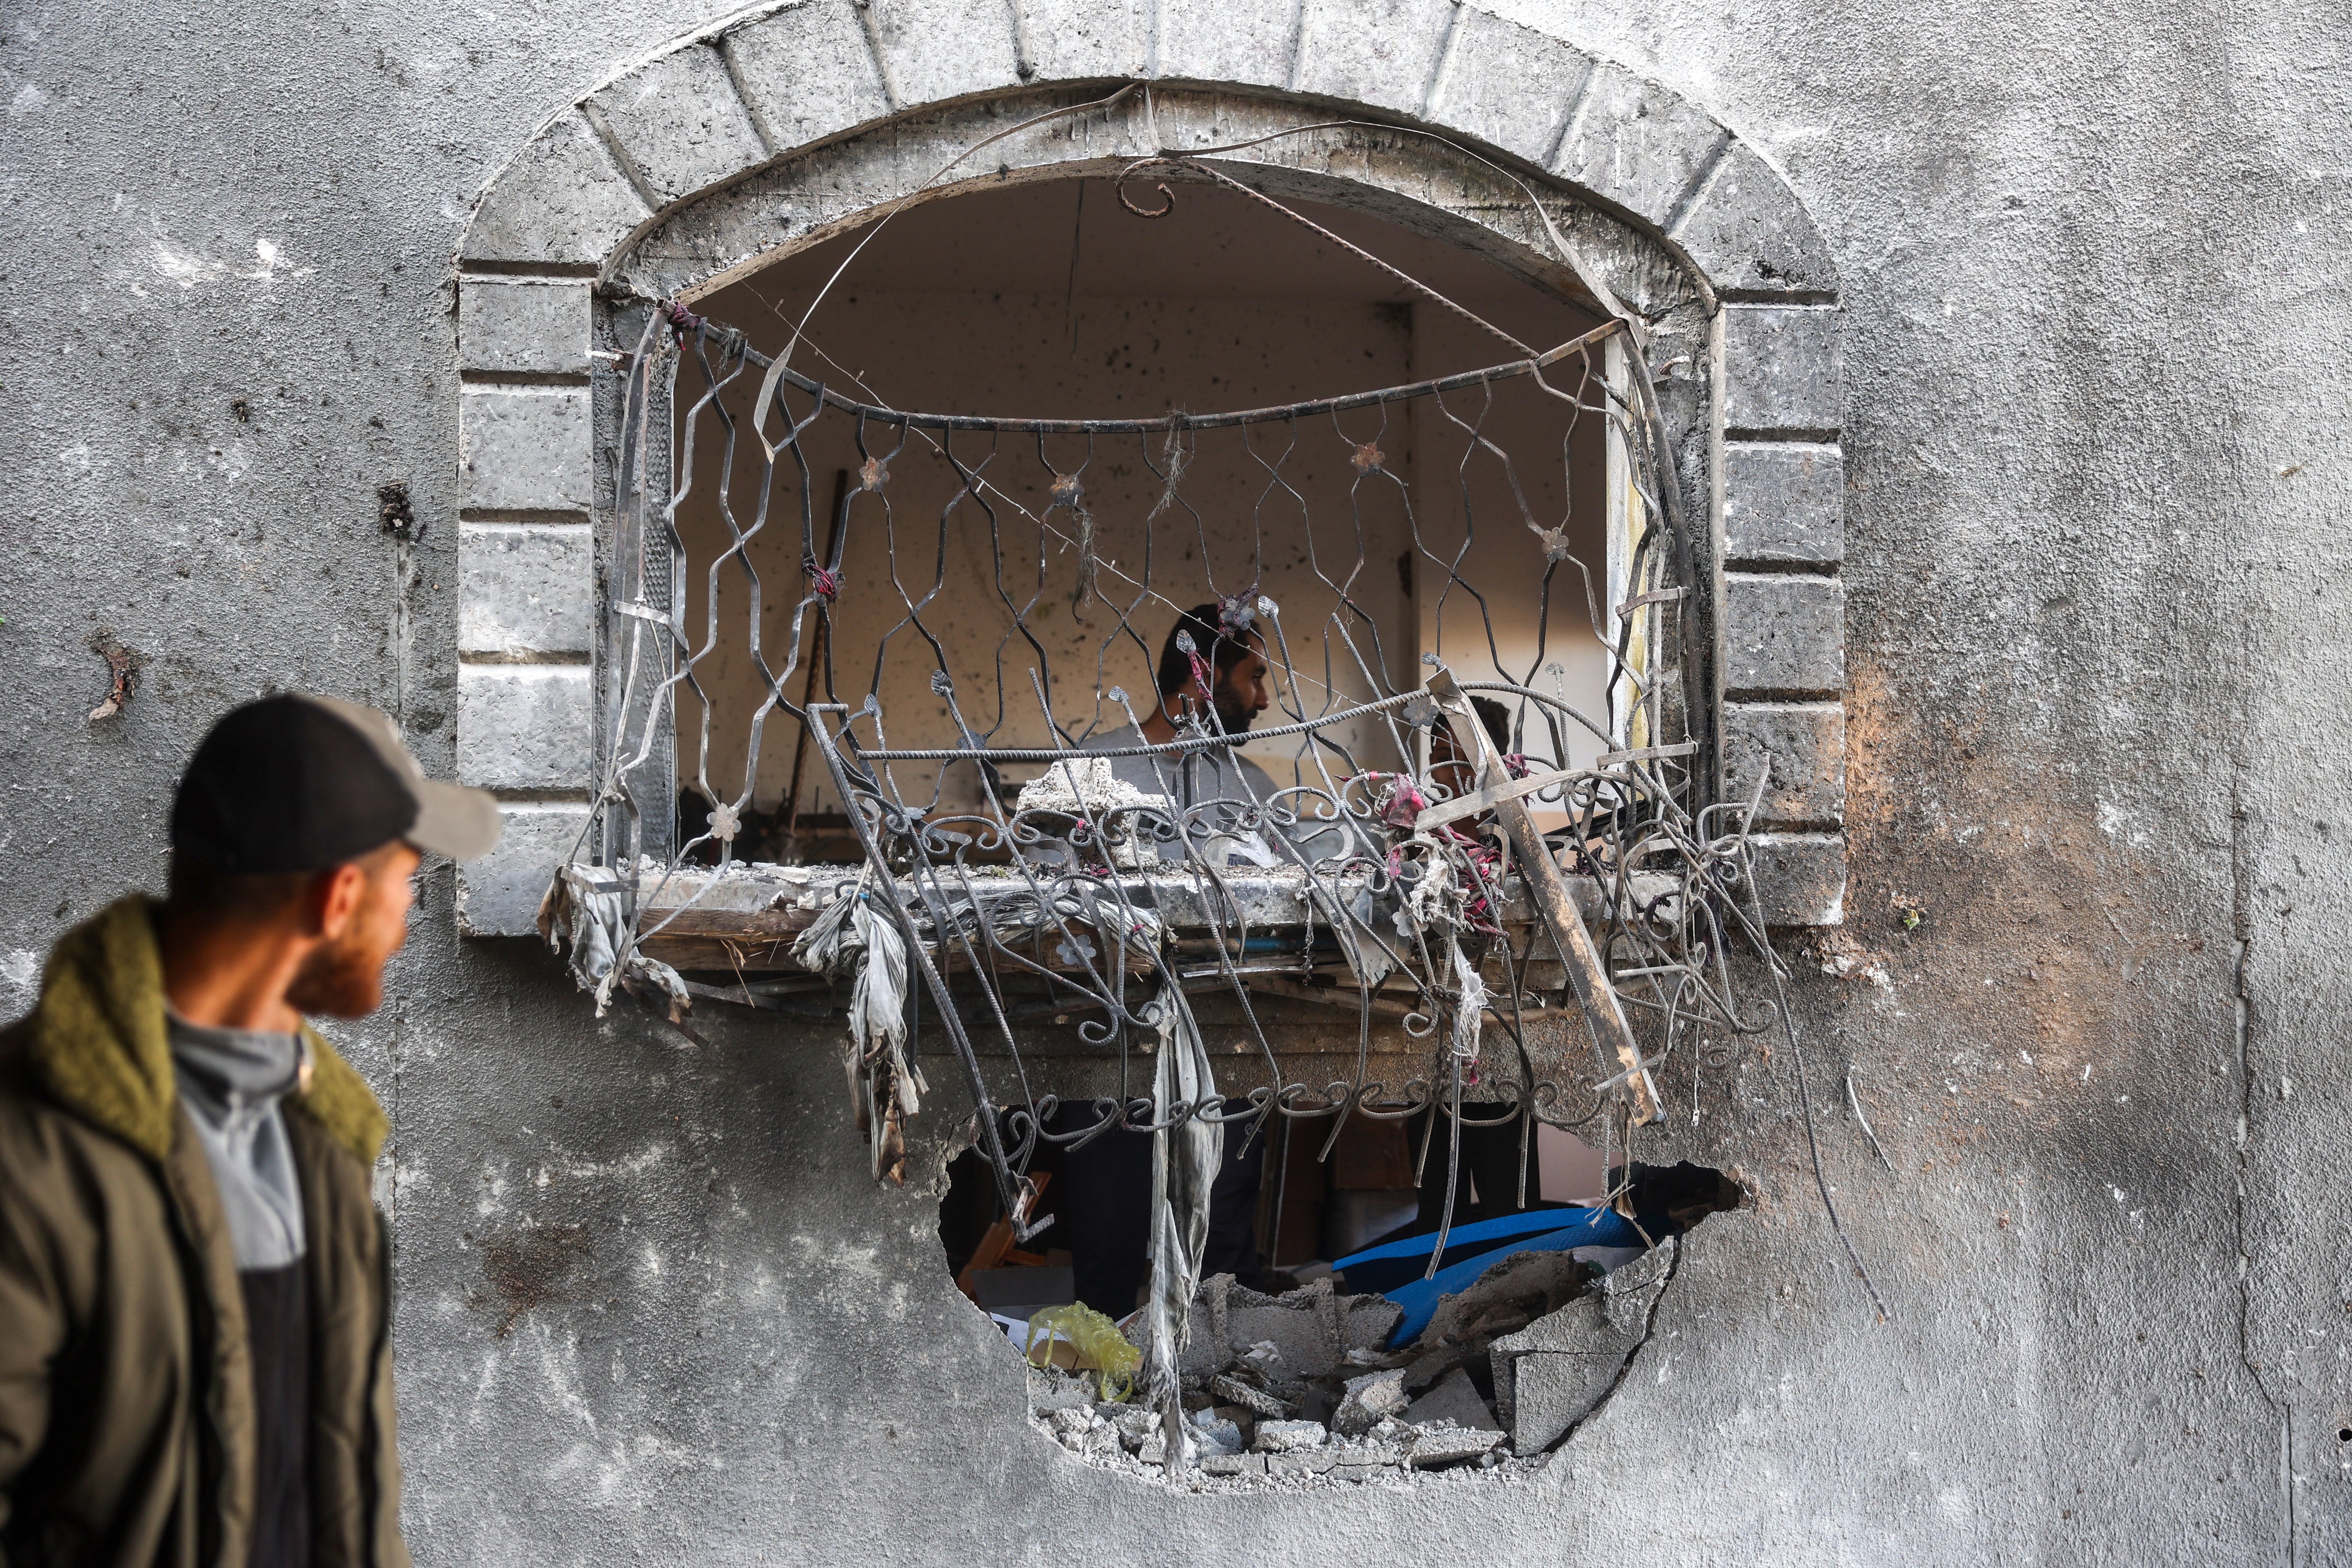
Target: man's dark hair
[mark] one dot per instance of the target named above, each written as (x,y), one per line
(1222,646)
(1493,717)
(1496,719)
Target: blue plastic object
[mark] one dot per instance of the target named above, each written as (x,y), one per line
(1490,1241)
(1392,1263)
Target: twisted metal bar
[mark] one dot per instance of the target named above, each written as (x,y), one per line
(986,887)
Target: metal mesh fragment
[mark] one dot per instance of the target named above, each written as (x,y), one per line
(1417,909)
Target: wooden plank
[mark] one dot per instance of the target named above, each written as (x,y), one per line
(1343,996)
(764,956)
(738,925)
(1588,977)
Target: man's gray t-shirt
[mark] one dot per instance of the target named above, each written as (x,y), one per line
(1188,778)
(1213,774)
(233,1082)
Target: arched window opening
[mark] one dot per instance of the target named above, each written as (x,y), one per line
(1382,532)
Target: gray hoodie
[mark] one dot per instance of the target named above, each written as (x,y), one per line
(232,1081)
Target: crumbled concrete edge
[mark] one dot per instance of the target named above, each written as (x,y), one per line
(1652,1276)
(1672,1251)
(1392,1477)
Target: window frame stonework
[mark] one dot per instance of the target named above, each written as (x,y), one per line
(782,126)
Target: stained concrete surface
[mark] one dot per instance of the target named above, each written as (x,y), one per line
(2096,649)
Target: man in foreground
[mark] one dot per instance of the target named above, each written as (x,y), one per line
(194,1363)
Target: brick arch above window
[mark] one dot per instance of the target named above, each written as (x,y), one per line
(700,159)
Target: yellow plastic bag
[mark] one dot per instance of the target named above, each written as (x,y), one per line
(1100,1347)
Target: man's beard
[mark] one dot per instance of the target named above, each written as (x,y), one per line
(1235,717)
(341,979)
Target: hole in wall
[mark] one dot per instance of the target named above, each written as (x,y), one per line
(1321,1346)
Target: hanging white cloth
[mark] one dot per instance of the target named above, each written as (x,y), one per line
(888,1086)
(1185,1162)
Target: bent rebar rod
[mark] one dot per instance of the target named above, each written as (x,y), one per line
(1016,1193)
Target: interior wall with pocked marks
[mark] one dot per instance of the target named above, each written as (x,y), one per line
(965,306)
(2090,991)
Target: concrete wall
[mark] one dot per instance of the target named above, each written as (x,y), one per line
(2095,644)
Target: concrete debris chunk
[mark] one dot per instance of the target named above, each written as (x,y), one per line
(1217,1435)
(1084,1432)
(1444,1444)
(1432,1364)
(1051,1389)
(1086,786)
(1233,1390)
(1369,1398)
(1369,1322)
(1555,1370)
(1506,1298)
(1303,1327)
(1289,1437)
(1154,1448)
(1299,1384)
(1609,1259)
(1265,1359)
(1454,1399)
(1628,1295)
(1135,1425)
(1205,1350)
(1368,1453)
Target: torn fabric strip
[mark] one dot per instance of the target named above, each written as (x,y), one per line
(1185,1162)
(891,1086)
(593,918)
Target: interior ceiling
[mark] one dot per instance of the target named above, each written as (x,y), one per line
(1060,237)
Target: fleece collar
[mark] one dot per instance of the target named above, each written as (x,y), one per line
(97,1043)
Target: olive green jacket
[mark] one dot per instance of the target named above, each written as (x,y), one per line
(126,1403)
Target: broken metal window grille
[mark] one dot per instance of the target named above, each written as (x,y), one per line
(1019,856)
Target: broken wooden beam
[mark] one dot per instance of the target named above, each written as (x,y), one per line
(1588,977)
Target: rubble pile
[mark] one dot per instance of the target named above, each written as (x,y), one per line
(1304,1385)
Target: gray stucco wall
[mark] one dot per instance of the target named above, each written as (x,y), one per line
(2096,648)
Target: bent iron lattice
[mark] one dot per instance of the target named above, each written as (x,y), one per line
(1445,914)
